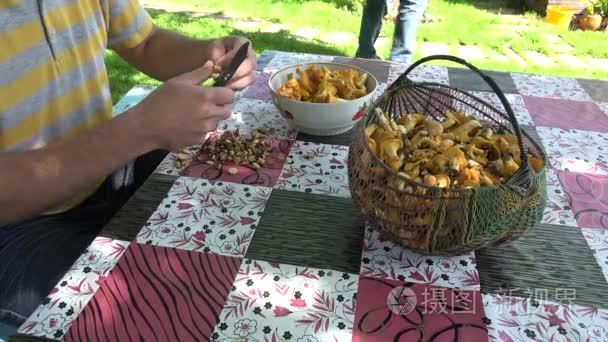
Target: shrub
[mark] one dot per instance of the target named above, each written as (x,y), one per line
(601,7)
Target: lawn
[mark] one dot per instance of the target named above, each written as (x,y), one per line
(468,23)
(123,77)
(478,23)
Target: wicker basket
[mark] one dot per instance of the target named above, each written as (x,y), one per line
(444,221)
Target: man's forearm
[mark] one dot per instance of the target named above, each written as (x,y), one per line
(165,54)
(37,180)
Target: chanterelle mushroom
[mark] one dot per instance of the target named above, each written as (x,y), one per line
(464,132)
(459,152)
(470,177)
(391,149)
(434,128)
(506,167)
(476,154)
(456,158)
(409,122)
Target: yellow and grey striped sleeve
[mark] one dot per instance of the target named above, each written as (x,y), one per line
(128,23)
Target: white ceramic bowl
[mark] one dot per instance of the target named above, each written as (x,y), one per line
(321,119)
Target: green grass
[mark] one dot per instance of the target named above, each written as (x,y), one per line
(318,14)
(594,44)
(464,22)
(531,40)
(123,77)
(478,29)
(293,14)
(455,29)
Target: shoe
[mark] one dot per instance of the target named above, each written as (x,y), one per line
(376,57)
(401,59)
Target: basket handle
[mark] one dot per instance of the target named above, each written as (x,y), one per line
(524,180)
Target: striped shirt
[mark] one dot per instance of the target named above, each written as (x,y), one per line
(53,80)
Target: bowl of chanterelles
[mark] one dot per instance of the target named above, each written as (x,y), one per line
(322,98)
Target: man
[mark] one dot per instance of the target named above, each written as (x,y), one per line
(58,141)
(404,39)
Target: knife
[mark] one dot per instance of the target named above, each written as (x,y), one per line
(239,58)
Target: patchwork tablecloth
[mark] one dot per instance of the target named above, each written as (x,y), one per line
(284,255)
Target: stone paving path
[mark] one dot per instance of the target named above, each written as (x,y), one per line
(510,25)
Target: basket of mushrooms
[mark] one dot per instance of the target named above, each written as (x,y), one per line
(440,171)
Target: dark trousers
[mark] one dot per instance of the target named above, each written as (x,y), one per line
(36,253)
(404,40)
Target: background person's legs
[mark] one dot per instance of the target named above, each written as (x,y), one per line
(371,24)
(404,41)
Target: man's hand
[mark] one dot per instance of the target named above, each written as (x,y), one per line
(156,56)
(178,113)
(181,112)
(223,51)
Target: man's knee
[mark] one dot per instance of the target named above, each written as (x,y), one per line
(37,254)
(15,309)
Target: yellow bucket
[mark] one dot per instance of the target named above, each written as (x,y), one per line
(559,16)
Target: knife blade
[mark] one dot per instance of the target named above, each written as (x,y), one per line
(237,60)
